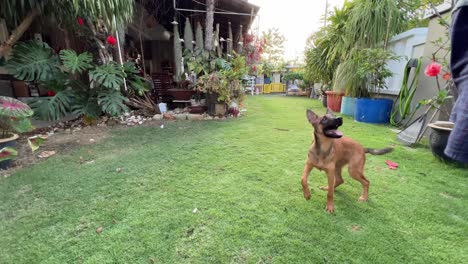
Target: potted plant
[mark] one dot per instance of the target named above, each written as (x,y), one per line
(371,74)
(441,130)
(14,118)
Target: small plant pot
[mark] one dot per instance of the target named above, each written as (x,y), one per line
(438,138)
(7,142)
(220,109)
(334,100)
(376,111)
(348,105)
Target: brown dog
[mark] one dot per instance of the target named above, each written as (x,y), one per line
(330,152)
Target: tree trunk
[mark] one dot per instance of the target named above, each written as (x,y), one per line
(209,25)
(18,32)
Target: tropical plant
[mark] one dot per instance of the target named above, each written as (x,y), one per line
(273,50)
(318,68)
(373,22)
(65,75)
(226,83)
(14,118)
(364,71)
(203,62)
(291,76)
(19,15)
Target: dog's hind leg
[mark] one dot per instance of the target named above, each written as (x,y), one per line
(304,180)
(338,179)
(356,170)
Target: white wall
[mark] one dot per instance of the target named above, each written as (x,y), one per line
(407,45)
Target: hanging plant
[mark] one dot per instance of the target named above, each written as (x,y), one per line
(188,35)
(217,44)
(229,40)
(177,52)
(240,44)
(199,36)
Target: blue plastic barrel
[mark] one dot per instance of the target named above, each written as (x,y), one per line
(373,110)
(348,105)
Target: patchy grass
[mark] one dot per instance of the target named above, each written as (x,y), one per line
(221,192)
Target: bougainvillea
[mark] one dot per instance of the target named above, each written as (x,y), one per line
(253,49)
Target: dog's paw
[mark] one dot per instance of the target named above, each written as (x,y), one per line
(307,196)
(330,209)
(323,188)
(363,199)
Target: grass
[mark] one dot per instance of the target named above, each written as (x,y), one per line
(243,178)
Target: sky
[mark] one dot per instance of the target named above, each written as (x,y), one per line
(295,19)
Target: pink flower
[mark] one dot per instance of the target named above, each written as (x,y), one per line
(446,76)
(111,40)
(433,69)
(80,21)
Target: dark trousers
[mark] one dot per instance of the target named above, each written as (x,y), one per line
(457,147)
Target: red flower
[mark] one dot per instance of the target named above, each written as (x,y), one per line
(254,68)
(80,21)
(433,69)
(111,40)
(50,93)
(446,76)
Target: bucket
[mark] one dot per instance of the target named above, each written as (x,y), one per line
(375,111)
(348,105)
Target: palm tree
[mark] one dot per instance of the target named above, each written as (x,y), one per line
(19,15)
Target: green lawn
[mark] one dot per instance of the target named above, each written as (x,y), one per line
(243,178)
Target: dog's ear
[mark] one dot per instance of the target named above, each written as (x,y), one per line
(312,117)
(329,112)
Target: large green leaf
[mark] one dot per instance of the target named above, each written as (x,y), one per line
(110,75)
(52,108)
(87,105)
(76,63)
(21,125)
(33,61)
(8,153)
(14,108)
(135,82)
(112,102)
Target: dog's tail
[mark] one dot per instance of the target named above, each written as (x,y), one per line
(378,151)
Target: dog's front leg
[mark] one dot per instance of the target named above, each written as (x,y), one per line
(304,180)
(331,190)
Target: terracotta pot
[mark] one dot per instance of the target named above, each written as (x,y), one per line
(334,100)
